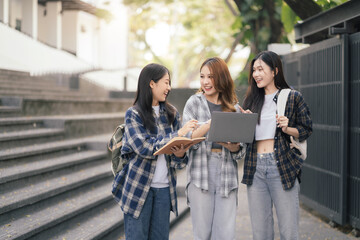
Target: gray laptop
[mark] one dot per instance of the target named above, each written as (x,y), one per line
(232,127)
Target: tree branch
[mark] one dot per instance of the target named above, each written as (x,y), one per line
(276,25)
(234,12)
(304,8)
(239,36)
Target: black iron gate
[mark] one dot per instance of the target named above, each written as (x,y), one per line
(354,138)
(327,74)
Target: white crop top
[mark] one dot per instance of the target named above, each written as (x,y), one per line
(267,127)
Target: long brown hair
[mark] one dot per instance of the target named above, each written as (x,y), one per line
(223,83)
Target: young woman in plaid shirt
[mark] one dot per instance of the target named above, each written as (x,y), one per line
(212,168)
(272,168)
(145,188)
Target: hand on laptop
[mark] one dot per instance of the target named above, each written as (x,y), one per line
(244,111)
(232,147)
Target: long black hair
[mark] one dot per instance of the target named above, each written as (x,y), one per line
(254,98)
(144,96)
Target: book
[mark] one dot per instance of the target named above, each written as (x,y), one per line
(177,141)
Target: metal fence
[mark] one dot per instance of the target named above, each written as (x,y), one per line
(328,76)
(354,138)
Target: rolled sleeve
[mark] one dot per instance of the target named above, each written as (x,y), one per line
(177,162)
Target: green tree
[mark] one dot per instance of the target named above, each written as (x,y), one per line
(201,29)
(262,22)
(197,31)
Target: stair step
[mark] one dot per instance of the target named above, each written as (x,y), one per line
(31,86)
(27,221)
(9,111)
(183,210)
(19,123)
(40,92)
(118,231)
(5,73)
(94,224)
(39,149)
(27,191)
(66,106)
(32,136)
(32,83)
(14,170)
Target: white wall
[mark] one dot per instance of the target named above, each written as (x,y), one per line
(49,24)
(22,53)
(4,11)
(69,30)
(113,46)
(93,40)
(29,17)
(87,37)
(42,24)
(15,12)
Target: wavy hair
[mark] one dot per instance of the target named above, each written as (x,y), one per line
(223,83)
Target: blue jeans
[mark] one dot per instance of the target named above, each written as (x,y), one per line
(266,191)
(154,219)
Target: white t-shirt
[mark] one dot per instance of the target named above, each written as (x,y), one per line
(160,179)
(267,127)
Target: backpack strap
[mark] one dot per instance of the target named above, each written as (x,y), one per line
(281,101)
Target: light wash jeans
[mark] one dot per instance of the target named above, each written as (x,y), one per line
(154,220)
(266,191)
(213,216)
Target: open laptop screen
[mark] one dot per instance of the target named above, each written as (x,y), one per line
(232,127)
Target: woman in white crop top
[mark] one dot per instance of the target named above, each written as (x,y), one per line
(272,168)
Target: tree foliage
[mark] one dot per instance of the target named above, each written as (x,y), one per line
(271,21)
(197,31)
(201,29)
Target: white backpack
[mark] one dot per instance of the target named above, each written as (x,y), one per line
(281,103)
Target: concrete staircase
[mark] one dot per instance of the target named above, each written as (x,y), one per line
(55,177)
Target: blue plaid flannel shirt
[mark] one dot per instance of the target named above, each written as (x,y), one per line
(132,184)
(288,161)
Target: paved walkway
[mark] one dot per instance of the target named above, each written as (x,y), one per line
(311,227)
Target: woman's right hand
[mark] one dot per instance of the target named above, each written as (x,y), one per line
(191,125)
(245,111)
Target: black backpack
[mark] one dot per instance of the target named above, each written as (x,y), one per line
(114,145)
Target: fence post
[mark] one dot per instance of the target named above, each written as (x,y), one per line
(344,135)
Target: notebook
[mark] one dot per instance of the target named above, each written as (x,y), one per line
(232,127)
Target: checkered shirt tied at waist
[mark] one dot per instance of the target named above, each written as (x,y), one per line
(197,171)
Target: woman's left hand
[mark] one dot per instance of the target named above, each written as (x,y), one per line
(232,147)
(282,122)
(179,151)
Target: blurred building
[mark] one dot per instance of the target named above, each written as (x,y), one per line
(95,35)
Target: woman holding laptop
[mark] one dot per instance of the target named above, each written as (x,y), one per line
(212,174)
(272,168)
